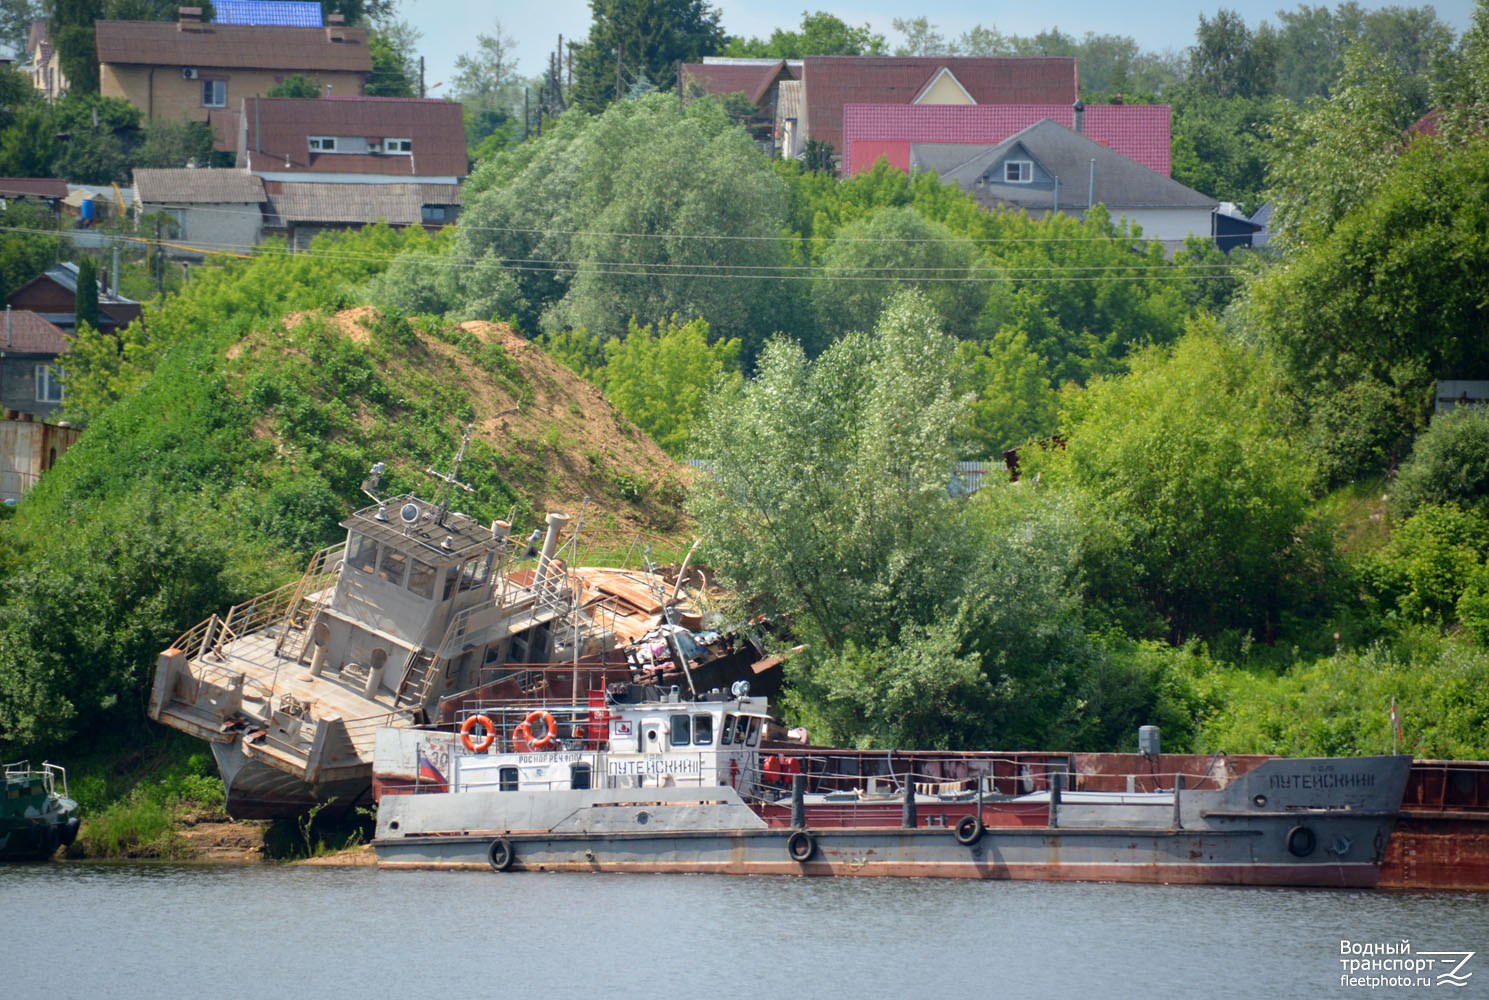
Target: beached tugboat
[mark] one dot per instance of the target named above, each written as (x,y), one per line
(35,818)
(420,606)
(637,779)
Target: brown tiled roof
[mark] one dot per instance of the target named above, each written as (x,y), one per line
(160,186)
(832,81)
(285,125)
(397,204)
(35,187)
(754,81)
(246,46)
(30,334)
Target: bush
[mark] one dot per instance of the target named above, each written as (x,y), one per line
(1429,562)
(1449,463)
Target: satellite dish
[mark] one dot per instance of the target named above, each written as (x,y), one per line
(410,513)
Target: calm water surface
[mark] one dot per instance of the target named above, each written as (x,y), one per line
(146,931)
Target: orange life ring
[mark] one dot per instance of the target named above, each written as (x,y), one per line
(522,738)
(471,724)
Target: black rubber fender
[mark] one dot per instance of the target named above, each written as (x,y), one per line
(968,830)
(501,854)
(1301,841)
(70,831)
(801,846)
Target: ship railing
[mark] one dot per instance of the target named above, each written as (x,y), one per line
(48,772)
(362,733)
(211,635)
(580,727)
(296,613)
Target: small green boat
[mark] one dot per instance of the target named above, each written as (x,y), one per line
(34,818)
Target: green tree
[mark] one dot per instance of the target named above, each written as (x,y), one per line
(85,304)
(660,377)
(389,77)
(1230,60)
(15,23)
(174,144)
(629,39)
(821,34)
(297,85)
(648,210)
(1015,402)
(893,249)
(1331,156)
(25,249)
(71,25)
(1449,463)
(1193,495)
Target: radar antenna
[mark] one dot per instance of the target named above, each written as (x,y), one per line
(449,480)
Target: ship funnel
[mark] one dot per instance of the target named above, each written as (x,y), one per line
(556,522)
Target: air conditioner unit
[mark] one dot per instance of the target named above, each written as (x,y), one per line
(188,73)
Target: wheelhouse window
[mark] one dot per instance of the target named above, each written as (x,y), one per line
(726,731)
(214,93)
(475,573)
(323,144)
(392,566)
(702,730)
(681,732)
(421,578)
(1018,171)
(48,384)
(361,554)
(579,776)
(753,737)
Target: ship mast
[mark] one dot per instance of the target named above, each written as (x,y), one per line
(449,481)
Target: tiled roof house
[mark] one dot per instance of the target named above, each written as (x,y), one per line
(831,82)
(367,140)
(215,210)
(29,346)
(1049,168)
(199,71)
(1140,132)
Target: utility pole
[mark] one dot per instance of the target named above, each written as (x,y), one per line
(617,72)
(421,76)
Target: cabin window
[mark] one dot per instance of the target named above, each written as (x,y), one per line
(681,734)
(392,566)
(361,553)
(475,573)
(703,730)
(579,775)
(754,736)
(741,726)
(726,731)
(421,579)
(506,779)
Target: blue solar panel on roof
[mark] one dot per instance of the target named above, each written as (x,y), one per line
(278,13)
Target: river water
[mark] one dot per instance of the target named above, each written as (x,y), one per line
(70,929)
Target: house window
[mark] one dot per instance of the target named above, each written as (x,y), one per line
(1018,172)
(398,145)
(432,213)
(322,144)
(214,93)
(48,384)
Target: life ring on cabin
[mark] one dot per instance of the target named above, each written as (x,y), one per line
(968,830)
(469,726)
(523,736)
(501,854)
(1301,841)
(801,846)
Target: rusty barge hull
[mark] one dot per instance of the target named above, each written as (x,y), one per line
(1031,854)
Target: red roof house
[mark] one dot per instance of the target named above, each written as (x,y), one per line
(364,140)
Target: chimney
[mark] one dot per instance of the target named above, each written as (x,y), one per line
(335,28)
(1080,116)
(188,18)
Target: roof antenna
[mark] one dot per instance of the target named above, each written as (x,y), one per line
(449,479)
